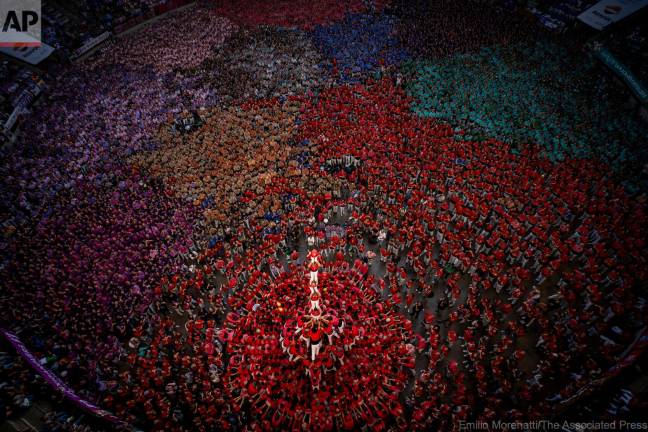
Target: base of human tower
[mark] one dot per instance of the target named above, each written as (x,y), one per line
(320,356)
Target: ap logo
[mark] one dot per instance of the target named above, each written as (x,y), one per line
(21,23)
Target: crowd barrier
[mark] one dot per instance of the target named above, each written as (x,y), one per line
(55,382)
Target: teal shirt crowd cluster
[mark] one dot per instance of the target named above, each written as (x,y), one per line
(532,93)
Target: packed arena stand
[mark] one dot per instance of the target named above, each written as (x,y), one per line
(322,216)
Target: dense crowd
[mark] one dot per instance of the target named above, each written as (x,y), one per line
(302,14)
(90,124)
(521,243)
(360,44)
(537,92)
(234,227)
(444,28)
(264,63)
(149,48)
